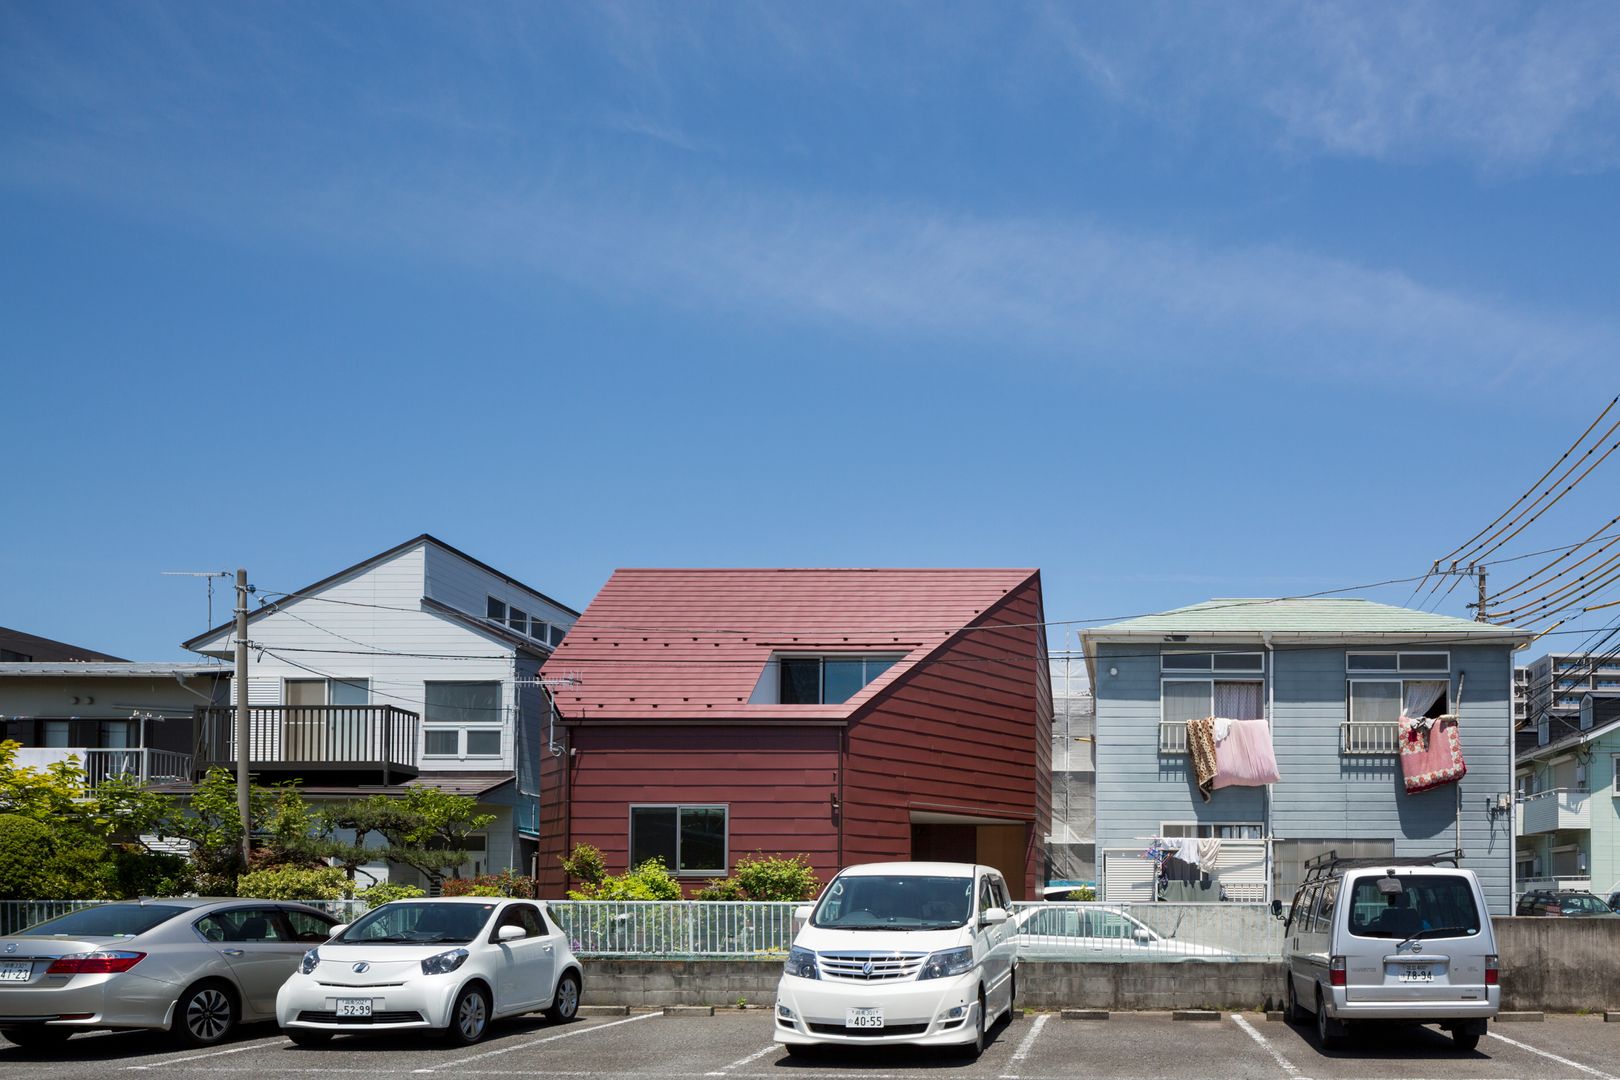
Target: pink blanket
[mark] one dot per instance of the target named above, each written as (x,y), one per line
(1433,757)
(1245,757)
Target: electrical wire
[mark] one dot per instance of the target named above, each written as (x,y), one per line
(1509,591)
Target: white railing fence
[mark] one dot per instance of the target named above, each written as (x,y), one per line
(1362,737)
(675,928)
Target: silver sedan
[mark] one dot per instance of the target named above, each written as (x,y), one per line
(195,967)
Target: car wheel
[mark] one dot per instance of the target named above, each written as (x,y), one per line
(303,1037)
(972,1050)
(36,1036)
(1464,1041)
(1294,1014)
(1325,1033)
(565,1002)
(469,1016)
(204,1015)
(1012,993)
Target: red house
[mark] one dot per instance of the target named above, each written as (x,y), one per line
(849,715)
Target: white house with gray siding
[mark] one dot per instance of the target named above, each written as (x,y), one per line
(416,667)
(1330,677)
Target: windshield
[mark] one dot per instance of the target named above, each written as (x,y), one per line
(111,920)
(1582,904)
(895,902)
(424,922)
(1428,905)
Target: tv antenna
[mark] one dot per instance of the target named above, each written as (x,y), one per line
(210,575)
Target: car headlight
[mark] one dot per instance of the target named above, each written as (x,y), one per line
(947,962)
(801,963)
(312,960)
(445,962)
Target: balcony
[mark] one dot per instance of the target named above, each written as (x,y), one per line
(101,764)
(1362,737)
(1560,808)
(359,743)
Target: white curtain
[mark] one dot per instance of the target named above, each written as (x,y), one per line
(1239,700)
(1421,694)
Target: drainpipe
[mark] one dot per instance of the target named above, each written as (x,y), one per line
(1271,720)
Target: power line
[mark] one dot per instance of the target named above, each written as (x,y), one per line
(1508,592)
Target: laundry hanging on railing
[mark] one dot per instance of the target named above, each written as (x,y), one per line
(1231,753)
(1431,750)
(1201,750)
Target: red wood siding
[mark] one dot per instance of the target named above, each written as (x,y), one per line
(968,731)
(776,782)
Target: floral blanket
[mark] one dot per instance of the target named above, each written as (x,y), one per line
(1431,753)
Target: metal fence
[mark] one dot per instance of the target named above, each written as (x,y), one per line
(691,929)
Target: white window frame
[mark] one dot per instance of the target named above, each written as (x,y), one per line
(1166,664)
(1349,715)
(490,601)
(1172,745)
(465,727)
(822,658)
(676,871)
(1396,668)
(1259,828)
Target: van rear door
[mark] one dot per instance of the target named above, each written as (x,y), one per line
(1415,936)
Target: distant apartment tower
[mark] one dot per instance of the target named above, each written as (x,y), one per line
(1553,685)
(1071,845)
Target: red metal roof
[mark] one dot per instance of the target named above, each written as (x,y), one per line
(691,644)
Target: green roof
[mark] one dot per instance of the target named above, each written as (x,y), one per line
(1335,618)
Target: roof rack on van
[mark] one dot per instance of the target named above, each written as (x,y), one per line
(1325,864)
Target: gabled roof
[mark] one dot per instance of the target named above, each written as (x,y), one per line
(692,644)
(1286,618)
(363,564)
(45,650)
(121,669)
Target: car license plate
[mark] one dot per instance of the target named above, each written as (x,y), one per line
(863,1018)
(1417,974)
(354,1006)
(16,971)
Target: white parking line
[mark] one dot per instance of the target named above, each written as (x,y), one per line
(1276,1055)
(536,1042)
(755,1056)
(259,1045)
(1588,1070)
(1026,1044)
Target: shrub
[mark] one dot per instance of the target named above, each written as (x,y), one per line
(721,889)
(1084,892)
(585,863)
(649,881)
(25,854)
(505,883)
(381,894)
(296,883)
(765,877)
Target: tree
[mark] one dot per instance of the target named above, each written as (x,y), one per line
(425,828)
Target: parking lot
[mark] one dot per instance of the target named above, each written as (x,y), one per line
(738,1045)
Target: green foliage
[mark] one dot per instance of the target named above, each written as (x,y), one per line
(765,877)
(585,863)
(296,883)
(425,828)
(381,894)
(649,881)
(26,851)
(506,883)
(1084,892)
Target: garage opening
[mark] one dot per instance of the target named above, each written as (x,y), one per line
(961,838)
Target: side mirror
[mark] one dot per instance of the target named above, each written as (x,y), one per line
(336,930)
(993,916)
(803,913)
(510,933)
(1141,936)
(1276,909)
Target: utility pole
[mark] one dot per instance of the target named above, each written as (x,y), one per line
(242,714)
(1479,608)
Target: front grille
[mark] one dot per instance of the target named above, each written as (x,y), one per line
(884,967)
(312,1016)
(869,1033)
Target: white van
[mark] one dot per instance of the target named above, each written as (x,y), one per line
(919,953)
(1390,940)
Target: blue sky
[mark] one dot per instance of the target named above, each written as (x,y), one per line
(1171,301)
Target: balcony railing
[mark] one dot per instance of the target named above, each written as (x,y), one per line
(1560,808)
(1361,737)
(101,764)
(314,738)
(1172,737)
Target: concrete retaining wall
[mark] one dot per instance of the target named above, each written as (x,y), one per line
(1551,965)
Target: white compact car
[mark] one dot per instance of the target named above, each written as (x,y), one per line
(1084,931)
(919,953)
(450,964)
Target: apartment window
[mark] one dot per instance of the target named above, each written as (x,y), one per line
(462,719)
(1377,705)
(827,680)
(518,620)
(494,609)
(1192,699)
(690,839)
(118,734)
(1397,661)
(1220,830)
(1212,661)
(557,633)
(54,733)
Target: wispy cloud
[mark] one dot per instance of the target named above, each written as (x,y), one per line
(1500,85)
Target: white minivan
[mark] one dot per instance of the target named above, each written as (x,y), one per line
(918,953)
(1390,939)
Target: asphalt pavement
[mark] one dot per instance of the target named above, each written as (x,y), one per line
(737,1045)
